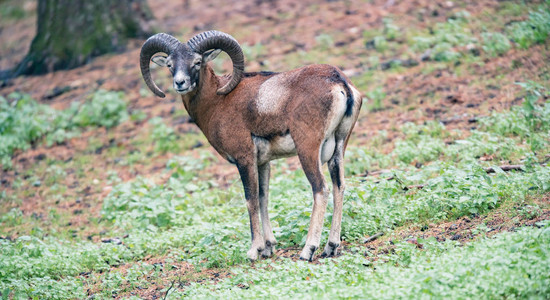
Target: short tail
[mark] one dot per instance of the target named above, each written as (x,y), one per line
(338,78)
(349,101)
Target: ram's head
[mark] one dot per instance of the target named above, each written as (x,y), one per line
(186,60)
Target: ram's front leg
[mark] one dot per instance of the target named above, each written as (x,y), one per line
(249,177)
(263,180)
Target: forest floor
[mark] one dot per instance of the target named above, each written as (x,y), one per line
(389,50)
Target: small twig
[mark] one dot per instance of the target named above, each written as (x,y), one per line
(415,186)
(377,172)
(505,168)
(387,179)
(167,291)
(374,237)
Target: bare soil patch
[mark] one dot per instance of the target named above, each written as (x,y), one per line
(465,229)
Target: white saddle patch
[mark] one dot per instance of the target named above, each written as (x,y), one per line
(271,95)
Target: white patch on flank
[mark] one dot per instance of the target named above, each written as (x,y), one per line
(337,110)
(283,145)
(347,122)
(278,147)
(327,149)
(334,120)
(271,94)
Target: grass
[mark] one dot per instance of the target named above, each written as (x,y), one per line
(534,30)
(11,11)
(24,122)
(495,43)
(165,219)
(510,265)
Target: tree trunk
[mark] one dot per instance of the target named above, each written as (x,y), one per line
(70,32)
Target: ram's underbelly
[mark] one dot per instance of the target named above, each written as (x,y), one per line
(283,146)
(273,148)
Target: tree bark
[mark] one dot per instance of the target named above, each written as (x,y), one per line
(70,32)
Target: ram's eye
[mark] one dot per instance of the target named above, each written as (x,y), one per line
(169,65)
(198,64)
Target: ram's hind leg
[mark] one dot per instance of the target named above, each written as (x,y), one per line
(336,169)
(263,179)
(311,163)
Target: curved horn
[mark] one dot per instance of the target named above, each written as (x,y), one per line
(160,42)
(218,40)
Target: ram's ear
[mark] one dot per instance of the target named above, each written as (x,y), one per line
(210,55)
(160,60)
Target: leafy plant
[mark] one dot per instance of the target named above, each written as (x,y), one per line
(534,30)
(105,109)
(24,121)
(376,96)
(530,121)
(12,217)
(495,43)
(30,267)
(252,52)
(444,52)
(422,143)
(510,265)
(530,212)
(360,160)
(148,206)
(164,137)
(324,41)
(185,167)
(138,115)
(391,31)
(421,150)
(380,43)
(12,11)
(143,204)
(445,38)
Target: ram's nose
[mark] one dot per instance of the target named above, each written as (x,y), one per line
(182,83)
(179,83)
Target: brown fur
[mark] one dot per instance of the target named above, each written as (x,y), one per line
(305,109)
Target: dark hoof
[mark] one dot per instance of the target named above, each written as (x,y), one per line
(307,253)
(269,249)
(331,249)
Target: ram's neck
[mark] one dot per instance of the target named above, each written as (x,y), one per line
(201,103)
